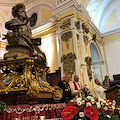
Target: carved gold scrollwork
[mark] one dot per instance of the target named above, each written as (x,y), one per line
(66,37)
(25,75)
(12,81)
(28,70)
(57,93)
(69,63)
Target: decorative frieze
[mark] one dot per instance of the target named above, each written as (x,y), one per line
(65,25)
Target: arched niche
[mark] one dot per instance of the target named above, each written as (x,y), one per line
(97,63)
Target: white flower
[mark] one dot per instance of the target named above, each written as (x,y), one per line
(78,99)
(89,97)
(110,103)
(35,57)
(83,102)
(81,114)
(106,108)
(113,104)
(88,104)
(108,116)
(107,104)
(113,107)
(114,101)
(102,103)
(71,100)
(92,100)
(98,105)
(79,103)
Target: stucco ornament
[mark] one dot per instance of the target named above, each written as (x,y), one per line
(85,28)
(65,25)
(88,60)
(69,63)
(66,37)
(85,40)
(77,24)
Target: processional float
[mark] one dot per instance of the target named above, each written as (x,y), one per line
(23,69)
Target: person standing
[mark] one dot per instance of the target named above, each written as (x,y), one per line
(76,87)
(64,85)
(98,90)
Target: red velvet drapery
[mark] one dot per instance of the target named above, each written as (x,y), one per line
(32,112)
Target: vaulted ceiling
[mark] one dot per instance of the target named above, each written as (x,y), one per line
(104,13)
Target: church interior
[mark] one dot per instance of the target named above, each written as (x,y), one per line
(79,37)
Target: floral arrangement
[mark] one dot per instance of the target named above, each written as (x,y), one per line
(91,108)
(38,58)
(85,91)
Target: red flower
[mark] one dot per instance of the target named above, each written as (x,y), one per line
(116,104)
(102,110)
(92,113)
(68,112)
(111,111)
(116,110)
(39,58)
(30,53)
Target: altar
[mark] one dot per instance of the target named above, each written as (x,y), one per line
(33,112)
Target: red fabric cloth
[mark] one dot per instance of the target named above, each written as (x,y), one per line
(22,112)
(76,88)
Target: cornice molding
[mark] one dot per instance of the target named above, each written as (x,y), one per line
(111,33)
(43,28)
(112,41)
(79,10)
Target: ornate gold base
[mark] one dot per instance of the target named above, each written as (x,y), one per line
(24,75)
